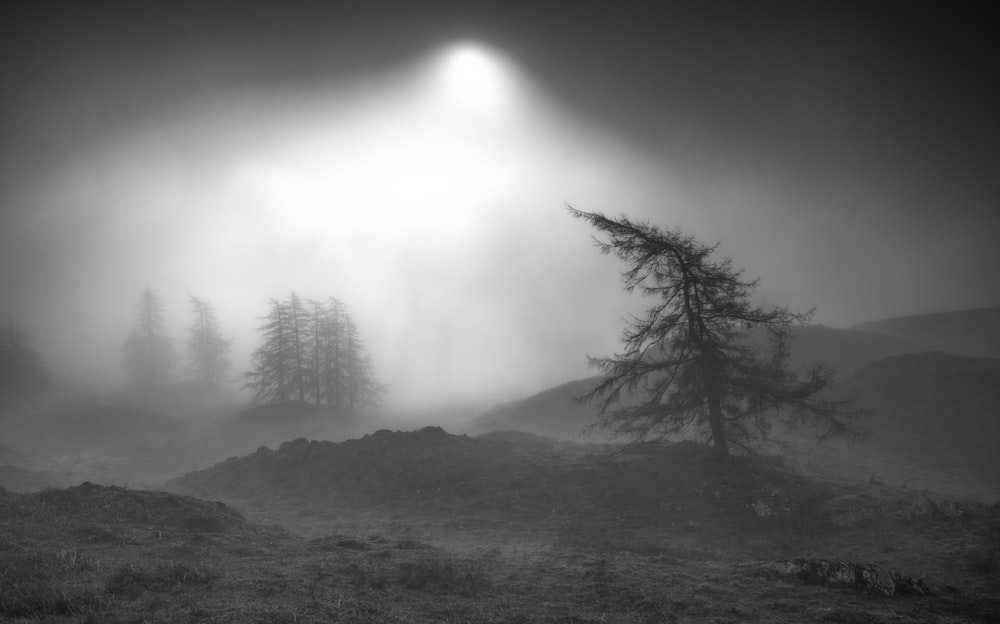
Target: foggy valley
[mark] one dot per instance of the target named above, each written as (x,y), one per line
(482,314)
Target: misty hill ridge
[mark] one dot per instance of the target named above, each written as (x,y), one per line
(94,427)
(554,412)
(966,332)
(847,350)
(932,403)
(10,456)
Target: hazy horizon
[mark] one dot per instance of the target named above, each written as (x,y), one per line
(418,169)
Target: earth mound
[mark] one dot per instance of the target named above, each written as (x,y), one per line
(507,479)
(112,505)
(522,439)
(380,466)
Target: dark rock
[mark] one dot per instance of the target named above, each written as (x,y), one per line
(865,576)
(876,504)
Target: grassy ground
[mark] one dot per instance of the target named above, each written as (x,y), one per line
(104,554)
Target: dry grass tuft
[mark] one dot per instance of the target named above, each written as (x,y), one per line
(40,583)
(133,579)
(441,575)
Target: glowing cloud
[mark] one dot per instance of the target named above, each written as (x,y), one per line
(431,201)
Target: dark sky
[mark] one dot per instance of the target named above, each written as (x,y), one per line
(843,152)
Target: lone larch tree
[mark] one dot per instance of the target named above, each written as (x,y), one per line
(691,363)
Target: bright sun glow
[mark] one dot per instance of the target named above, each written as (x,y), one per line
(474,78)
(429,202)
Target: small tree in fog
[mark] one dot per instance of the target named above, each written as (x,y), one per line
(148,354)
(281,370)
(332,374)
(299,332)
(22,374)
(361,387)
(207,349)
(689,363)
(326,352)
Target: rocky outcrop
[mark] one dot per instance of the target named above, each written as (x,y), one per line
(873,504)
(863,576)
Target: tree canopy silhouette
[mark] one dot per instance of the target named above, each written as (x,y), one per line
(312,352)
(692,362)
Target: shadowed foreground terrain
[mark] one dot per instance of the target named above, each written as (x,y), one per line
(425,526)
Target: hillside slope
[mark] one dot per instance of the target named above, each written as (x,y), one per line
(91,428)
(556,412)
(964,332)
(934,417)
(847,350)
(936,401)
(934,421)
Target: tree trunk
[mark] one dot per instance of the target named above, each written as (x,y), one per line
(715,422)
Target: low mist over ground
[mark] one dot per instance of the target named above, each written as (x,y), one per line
(931,419)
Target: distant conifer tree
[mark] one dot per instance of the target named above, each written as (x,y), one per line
(148,354)
(312,352)
(299,321)
(208,351)
(361,386)
(270,379)
(22,374)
